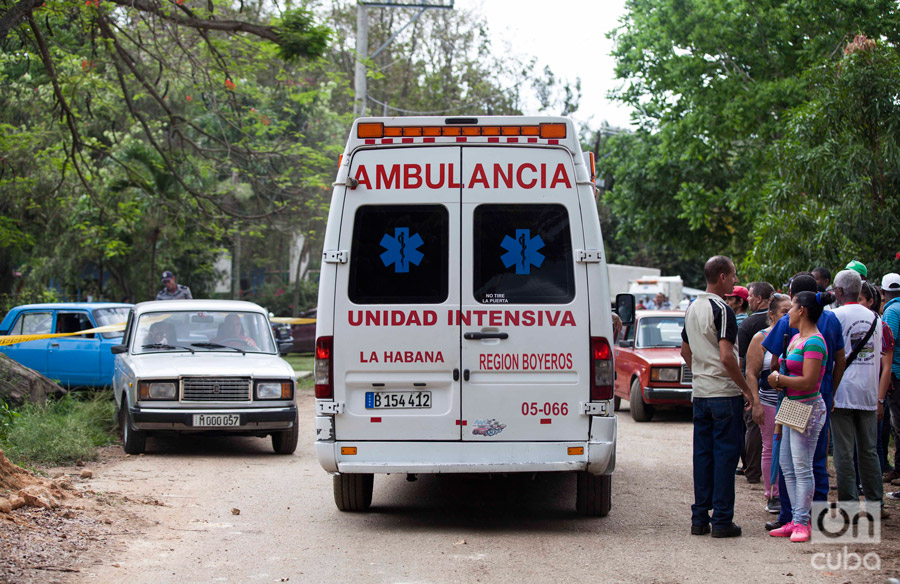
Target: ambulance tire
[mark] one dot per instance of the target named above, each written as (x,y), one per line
(617,403)
(133,441)
(353,492)
(640,412)
(286,442)
(593,495)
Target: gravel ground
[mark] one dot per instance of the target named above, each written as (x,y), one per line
(227,509)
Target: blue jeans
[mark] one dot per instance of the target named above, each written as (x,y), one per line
(797,452)
(718,437)
(820,461)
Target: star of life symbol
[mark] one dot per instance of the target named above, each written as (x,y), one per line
(402,249)
(522,251)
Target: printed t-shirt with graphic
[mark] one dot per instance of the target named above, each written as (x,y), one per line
(859,385)
(892,318)
(800,349)
(707,321)
(828,325)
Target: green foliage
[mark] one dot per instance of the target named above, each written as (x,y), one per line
(300,37)
(61,431)
(7,417)
(279,298)
(837,194)
(711,82)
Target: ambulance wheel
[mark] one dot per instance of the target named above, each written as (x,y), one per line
(640,412)
(133,441)
(593,495)
(617,403)
(286,442)
(353,492)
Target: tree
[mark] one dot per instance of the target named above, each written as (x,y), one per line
(836,195)
(711,82)
(138,131)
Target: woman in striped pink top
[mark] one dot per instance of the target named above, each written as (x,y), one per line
(804,369)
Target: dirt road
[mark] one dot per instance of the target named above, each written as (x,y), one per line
(437,529)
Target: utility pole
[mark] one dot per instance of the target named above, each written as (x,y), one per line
(362,40)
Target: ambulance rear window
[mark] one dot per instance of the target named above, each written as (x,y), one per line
(399,254)
(523,255)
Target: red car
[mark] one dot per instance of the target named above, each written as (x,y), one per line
(304,335)
(649,369)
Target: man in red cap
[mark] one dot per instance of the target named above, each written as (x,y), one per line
(739,302)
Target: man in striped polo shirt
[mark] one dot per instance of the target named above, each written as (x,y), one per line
(708,348)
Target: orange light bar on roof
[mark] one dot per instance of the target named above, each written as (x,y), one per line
(370,130)
(553,130)
(378,130)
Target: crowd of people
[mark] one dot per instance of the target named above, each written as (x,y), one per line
(821,360)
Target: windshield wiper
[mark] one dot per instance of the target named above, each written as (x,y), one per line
(166,347)
(218,346)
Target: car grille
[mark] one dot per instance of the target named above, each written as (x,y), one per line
(687,376)
(215,389)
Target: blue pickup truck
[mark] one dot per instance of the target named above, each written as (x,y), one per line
(72,361)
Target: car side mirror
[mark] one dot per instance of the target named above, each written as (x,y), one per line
(118,349)
(629,344)
(625,308)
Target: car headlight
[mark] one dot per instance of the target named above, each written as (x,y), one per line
(665,374)
(157,390)
(274,390)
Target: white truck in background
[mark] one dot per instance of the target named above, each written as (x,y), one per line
(621,277)
(647,287)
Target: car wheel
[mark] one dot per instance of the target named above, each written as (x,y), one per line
(640,412)
(286,442)
(133,441)
(617,403)
(353,492)
(593,495)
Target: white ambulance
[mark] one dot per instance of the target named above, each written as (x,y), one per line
(464,318)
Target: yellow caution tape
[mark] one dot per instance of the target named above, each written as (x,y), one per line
(290,320)
(14,339)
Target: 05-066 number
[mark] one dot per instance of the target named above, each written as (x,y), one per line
(547,409)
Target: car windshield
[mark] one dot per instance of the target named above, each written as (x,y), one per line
(163,332)
(108,316)
(659,331)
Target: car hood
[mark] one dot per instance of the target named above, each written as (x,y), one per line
(205,364)
(660,356)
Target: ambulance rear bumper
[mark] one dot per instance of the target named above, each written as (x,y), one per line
(597,455)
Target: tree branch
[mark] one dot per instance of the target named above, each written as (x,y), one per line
(15,15)
(264,32)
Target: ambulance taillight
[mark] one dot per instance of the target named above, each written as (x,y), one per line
(601,369)
(324,368)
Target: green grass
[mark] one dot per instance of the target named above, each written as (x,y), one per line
(302,362)
(63,431)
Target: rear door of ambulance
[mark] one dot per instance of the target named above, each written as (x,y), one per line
(524,315)
(396,347)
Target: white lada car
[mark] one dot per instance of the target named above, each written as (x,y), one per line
(189,366)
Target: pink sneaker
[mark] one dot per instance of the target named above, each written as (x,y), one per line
(784,531)
(800,534)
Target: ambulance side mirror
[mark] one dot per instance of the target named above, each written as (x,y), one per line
(625,308)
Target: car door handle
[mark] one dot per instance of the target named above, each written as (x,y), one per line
(54,344)
(456,375)
(466,374)
(479,336)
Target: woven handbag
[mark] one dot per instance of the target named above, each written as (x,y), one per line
(794,414)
